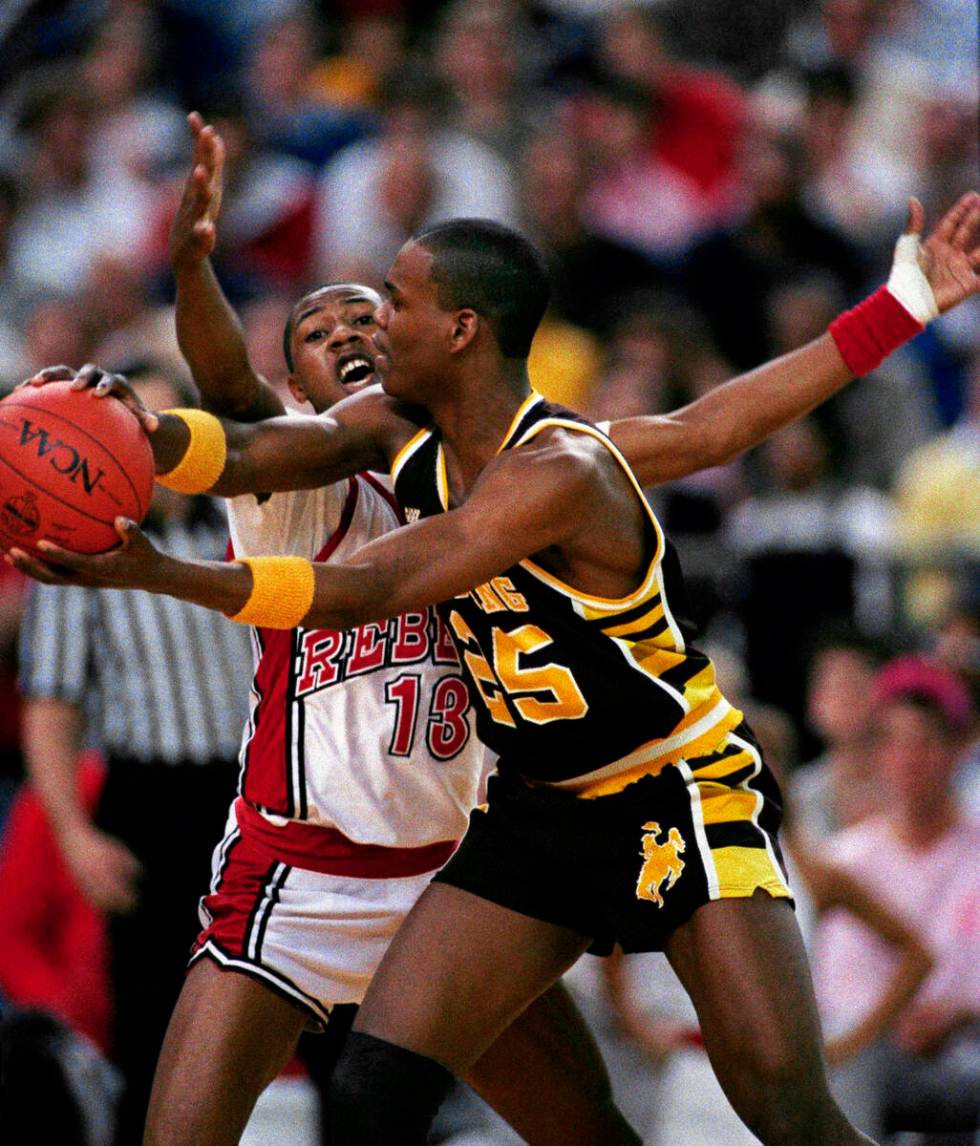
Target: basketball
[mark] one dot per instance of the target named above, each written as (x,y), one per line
(70,463)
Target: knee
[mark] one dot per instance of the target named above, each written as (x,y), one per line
(381,1092)
(785,1101)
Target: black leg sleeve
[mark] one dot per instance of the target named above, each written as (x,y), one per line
(384,1095)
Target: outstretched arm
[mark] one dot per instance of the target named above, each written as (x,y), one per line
(208,330)
(830,887)
(518,507)
(360,433)
(929,278)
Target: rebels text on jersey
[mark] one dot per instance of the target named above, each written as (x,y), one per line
(368,730)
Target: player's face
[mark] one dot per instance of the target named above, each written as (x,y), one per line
(333,352)
(913,754)
(414,332)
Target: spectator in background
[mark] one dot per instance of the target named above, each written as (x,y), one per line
(136,129)
(838,788)
(937,492)
(850,187)
(634,197)
(55,331)
(591,275)
(267,212)
(660,358)
(917,854)
(836,32)
(956,646)
(287,110)
(123,322)
(72,211)
(377,193)
(947,140)
(875,424)
(801,538)
(160,689)
(697,114)
(54,952)
(477,55)
(373,40)
(775,238)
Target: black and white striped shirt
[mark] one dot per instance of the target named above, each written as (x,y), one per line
(159,679)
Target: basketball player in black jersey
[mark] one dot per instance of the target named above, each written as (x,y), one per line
(655,829)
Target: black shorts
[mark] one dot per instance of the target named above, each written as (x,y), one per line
(629,868)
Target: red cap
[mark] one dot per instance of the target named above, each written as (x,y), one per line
(911,676)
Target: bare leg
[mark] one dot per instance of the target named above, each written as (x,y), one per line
(228,1039)
(459,972)
(743,964)
(546,1077)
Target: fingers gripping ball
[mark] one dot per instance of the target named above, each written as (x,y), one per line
(70,463)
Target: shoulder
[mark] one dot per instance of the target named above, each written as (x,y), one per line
(374,407)
(558,462)
(564,443)
(386,420)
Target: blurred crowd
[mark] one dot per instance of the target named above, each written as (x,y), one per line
(709,183)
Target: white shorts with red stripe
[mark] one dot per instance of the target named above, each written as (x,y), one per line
(304,910)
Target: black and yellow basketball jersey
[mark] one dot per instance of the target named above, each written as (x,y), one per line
(572,690)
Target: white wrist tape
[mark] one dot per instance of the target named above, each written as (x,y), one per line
(908,283)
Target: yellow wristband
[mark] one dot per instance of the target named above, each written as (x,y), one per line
(282,592)
(204,461)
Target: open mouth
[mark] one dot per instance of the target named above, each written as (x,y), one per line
(355,369)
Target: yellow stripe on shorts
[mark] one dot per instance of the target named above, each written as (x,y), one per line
(744,870)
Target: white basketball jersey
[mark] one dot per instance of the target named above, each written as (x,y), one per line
(368,730)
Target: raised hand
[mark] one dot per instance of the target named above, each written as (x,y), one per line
(950,256)
(193,233)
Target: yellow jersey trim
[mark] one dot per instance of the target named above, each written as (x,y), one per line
(409,448)
(698,738)
(442,477)
(531,400)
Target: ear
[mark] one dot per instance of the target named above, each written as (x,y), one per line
(466,326)
(296,388)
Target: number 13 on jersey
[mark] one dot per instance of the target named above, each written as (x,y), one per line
(447,729)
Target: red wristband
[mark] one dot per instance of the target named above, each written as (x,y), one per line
(868,333)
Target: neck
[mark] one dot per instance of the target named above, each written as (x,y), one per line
(922,825)
(852,755)
(476,415)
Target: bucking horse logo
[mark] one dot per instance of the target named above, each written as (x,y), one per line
(661,861)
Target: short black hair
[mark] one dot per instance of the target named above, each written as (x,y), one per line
(287,339)
(287,330)
(840,634)
(484,265)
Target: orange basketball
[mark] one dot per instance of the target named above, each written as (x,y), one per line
(70,463)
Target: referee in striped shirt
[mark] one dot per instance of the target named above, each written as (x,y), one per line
(161,688)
